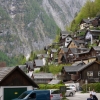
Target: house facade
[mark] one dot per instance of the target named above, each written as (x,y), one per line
(81,73)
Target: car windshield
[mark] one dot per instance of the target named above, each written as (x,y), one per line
(68,89)
(55,91)
(23,95)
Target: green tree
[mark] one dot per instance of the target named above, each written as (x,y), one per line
(21,60)
(32,56)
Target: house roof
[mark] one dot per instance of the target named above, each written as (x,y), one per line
(95,32)
(39,62)
(43,75)
(53,50)
(64,34)
(30,64)
(6,71)
(65,49)
(77,68)
(44,55)
(86,21)
(85,52)
(73,50)
(78,42)
(97,48)
(54,81)
(78,63)
(23,67)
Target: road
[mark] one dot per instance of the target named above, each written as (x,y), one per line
(82,96)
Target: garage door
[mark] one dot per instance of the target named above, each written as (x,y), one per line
(11,93)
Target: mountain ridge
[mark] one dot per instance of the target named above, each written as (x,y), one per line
(29,25)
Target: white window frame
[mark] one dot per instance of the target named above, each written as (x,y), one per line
(89,73)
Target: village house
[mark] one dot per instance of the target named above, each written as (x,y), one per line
(81,73)
(76,44)
(84,23)
(70,55)
(62,55)
(14,81)
(65,38)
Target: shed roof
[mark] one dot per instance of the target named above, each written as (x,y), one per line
(5,72)
(43,75)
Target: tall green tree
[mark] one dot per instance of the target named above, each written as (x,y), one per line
(32,56)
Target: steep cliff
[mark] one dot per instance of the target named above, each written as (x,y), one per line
(27,25)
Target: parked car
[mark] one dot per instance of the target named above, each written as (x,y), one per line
(55,94)
(69,92)
(73,86)
(34,95)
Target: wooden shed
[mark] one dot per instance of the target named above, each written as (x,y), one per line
(13,81)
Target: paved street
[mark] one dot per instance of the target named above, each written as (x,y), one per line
(82,96)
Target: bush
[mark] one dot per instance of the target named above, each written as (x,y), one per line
(49,86)
(95,86)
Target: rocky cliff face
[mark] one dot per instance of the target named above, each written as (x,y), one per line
(28,25)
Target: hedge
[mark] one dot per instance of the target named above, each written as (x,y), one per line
(95,86)
(49,86)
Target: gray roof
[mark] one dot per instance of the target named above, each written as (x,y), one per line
(43,75)
(64,34)
(54,81)
(73,50)
(4,71)
(78,63)
(53,50)
(97,48)
(44,55)
(65,49)
(85,52)
(39,62)
(95,31)
(30,64)
(23,67)
(78,42)
(86,20)
(76,68)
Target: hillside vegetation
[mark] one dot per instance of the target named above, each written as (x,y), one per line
(90,9)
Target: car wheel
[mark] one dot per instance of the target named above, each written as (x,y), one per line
(71,94)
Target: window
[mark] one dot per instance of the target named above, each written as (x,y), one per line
(90,73)
(98,73)
(32,96)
